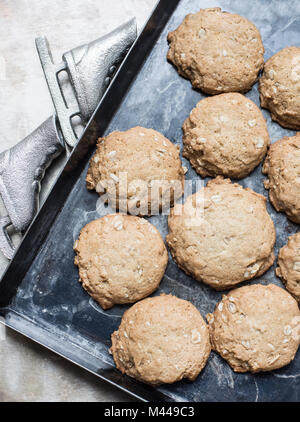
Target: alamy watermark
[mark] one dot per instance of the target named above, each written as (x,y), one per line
(141,198)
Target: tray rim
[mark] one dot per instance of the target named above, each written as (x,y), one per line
(33,240)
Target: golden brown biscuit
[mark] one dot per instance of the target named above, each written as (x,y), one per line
(121,259)
(256,328)
(222,235)
(279,87)
(289,265)
(217,51)
(139,170)
(161,339)
(225,135)
(282,166)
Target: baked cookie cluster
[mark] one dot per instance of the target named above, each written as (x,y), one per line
(223,234)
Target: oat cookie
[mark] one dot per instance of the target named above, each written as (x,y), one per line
(139,170)
(217,51)
(256,328)
(282,167)
(225,135)
(121,259)
(289,265)
(222,235)
(161,339)
(279,87)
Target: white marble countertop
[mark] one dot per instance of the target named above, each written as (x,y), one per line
(28,372)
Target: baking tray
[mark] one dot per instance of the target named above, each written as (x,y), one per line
(39,293)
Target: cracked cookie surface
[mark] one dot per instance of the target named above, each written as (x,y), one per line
(256,328)
(218,51)
(225,135)
(279,87)
(289,265)
(121,259)
(161,339)
(138,170)
(222,235)
(282,167)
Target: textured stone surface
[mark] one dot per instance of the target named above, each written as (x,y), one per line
(28,371)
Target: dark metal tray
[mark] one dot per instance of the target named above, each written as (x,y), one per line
(39,293)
